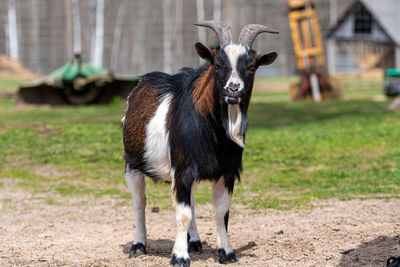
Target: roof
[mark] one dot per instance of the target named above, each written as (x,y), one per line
(385,12)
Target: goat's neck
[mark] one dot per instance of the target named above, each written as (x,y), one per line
(203,92)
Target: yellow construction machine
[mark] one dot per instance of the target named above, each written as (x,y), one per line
(315,83)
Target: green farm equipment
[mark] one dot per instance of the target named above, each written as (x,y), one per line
(391,83)
(76,83)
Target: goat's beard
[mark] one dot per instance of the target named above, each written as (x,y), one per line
(237,124)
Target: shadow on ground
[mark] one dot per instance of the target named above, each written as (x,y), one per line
(269,115)
(373,253)
(163,248)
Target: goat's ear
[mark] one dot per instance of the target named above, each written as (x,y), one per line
(204,52)
(266,59)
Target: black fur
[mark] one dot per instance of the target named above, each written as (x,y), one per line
(180,262)
(223,257)
(226,220)
(194,245)
(200,146)
(204,52)
(137,250)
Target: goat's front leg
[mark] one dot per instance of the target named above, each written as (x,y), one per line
(193,235)
(137,186)
(182,191)
(222,192)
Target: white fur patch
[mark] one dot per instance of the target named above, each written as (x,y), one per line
(136,184)
(183,219)
(235,124)
(194,235)
(234,51)
(157,150)
(222,200)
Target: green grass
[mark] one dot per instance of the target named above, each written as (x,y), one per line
(10,84)
(295,152)
(315,151)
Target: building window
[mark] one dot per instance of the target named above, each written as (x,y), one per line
(363,20)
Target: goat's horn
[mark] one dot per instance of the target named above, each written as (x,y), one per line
(250,32)
(222,30)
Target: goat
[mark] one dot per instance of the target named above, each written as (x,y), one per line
(191,126)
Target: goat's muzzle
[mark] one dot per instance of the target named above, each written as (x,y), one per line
(232,94)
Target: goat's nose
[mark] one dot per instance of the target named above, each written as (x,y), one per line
(233,86)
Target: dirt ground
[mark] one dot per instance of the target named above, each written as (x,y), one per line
(86,231)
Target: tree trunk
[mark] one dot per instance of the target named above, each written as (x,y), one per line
(97,42)
(77,27)
(13,30)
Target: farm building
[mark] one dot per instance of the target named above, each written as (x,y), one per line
(366,36)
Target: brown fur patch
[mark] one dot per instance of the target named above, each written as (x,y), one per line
(203,92)
(142,103)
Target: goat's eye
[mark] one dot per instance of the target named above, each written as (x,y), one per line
(252,68)
(217,67)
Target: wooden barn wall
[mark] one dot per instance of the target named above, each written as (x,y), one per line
(45,37)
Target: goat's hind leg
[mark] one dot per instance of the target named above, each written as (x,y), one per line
(137,186)
(222,192)
(194,243)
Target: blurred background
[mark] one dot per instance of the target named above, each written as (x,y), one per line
(358,38)
(138,36)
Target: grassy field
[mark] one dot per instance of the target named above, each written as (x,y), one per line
(295,152)
(9,84)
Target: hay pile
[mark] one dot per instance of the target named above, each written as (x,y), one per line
(14,68)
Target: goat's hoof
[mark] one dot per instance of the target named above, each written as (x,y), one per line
(179,262)
(223,258)
(195,246)
(137,250)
